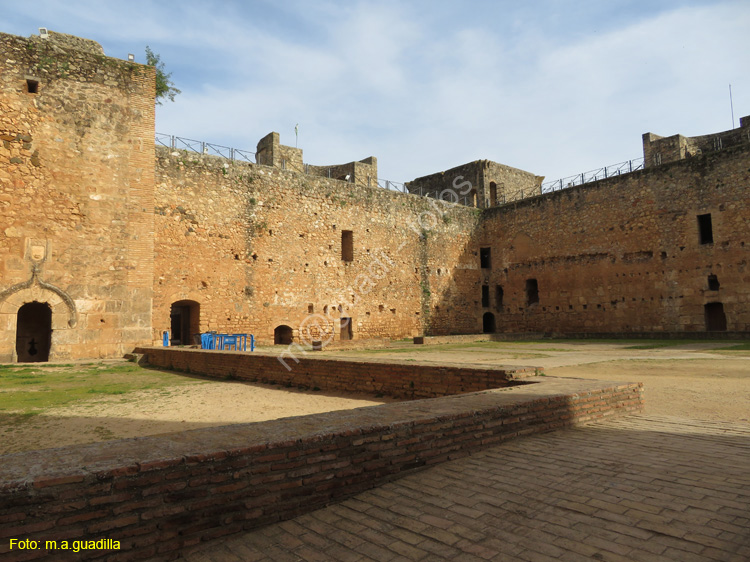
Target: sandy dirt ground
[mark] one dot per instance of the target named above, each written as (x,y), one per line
(694,380)
(168,410)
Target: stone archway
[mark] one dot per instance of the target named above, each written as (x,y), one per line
(63,317)
(34,332)
(283,335)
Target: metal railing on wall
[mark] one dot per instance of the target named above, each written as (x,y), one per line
(201,147)
(594,175)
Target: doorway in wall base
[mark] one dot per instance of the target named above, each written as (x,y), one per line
(488,323)
(283,335)
(716,320)
(184,322)
(34,332)
(346,329)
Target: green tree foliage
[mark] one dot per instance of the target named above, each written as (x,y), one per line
(164,86)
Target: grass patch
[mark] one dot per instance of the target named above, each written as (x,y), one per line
(27,390)
(736,347)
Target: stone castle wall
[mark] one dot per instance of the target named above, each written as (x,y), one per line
(481,183)
(76,196)
(258,247)
(625,254)
(115,238)
(659,150)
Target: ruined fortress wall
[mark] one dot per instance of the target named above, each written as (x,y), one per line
(76,195)
(661,150)
(481,183)
(257,247)
(624,254)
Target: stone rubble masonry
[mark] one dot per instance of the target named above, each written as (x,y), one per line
(258,247)
(111,232)
(624,254)
(295,368)
(475,182)
(659,150)
(76,194)
(158,495)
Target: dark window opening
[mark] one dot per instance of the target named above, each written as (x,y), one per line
(346,329)
(485,258)
(532,292)
(705,229)
(488,323)
(184,320)
(493,194)
(283,335)
(347,245)
(716,320)
(32,86)
(34,332)
(499,297)
(485,296)
(713,283)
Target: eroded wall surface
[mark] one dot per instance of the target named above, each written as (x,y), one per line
(259,247)
(626,254)
(76,195)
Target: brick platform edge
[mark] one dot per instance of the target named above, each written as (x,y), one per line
(399,380)
(163,494)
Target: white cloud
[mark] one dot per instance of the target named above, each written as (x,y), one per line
(426,86)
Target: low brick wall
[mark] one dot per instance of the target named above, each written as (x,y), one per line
(399,380)
(160,495)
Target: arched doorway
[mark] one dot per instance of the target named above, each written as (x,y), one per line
(488,323)
(184,319)
(282,335)
(33,332)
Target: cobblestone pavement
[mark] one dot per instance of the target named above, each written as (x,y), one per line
(636,488)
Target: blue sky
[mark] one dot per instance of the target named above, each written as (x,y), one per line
(552,87)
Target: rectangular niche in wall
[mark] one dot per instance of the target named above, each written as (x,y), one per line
(347,245)
(485,296)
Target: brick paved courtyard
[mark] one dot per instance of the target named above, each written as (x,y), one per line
(638,488)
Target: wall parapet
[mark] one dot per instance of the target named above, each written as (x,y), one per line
(292,368)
